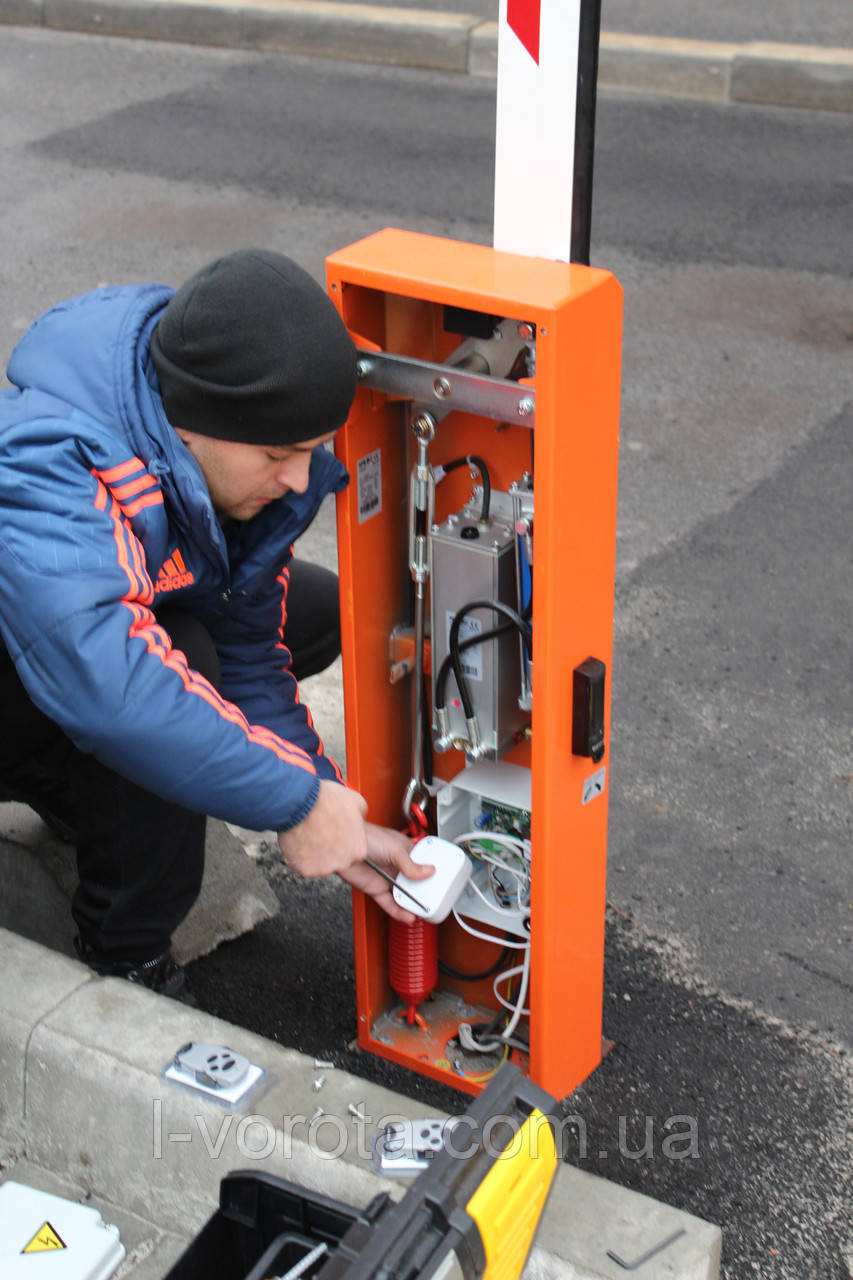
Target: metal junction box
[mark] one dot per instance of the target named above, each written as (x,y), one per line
(471,560)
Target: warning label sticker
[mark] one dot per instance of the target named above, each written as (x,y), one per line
(369,485)
(45,1239)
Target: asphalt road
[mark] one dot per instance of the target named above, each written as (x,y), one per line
(729,990)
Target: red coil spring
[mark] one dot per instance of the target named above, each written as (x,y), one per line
(413,963)
(413,948)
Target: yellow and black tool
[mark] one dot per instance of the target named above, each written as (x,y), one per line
(473,1213)
(470,1215)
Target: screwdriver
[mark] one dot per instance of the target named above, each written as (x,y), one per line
(385,876)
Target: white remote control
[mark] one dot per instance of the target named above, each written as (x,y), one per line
(437,894)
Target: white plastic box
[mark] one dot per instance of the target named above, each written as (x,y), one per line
(45,1237)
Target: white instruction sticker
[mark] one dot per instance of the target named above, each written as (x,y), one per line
(593,785)
(369,481)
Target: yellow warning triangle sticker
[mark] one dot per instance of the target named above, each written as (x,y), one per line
(45,1239)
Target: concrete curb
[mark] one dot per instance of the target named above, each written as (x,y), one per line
(760,73)
(82,1099)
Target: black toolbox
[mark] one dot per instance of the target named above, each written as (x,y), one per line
(471,1215)
(264,1226)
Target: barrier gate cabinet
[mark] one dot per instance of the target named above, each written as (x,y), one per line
(476,554)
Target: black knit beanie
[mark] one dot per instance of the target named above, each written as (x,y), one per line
(250,348)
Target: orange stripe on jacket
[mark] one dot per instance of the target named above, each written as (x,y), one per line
(146,627)
(139,566)
(124,552)
(284,579)
(321,750)
(123,492)
(123,470)
(130,487)
(130,552)
(147,500)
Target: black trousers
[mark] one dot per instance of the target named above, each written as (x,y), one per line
(140,859)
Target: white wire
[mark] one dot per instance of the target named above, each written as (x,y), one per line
(482,855)
(517,843)
(521,849)
(502,892)
(525,978)
(514,844)
(522,878)
(493,904)
(488,937)
(502,977)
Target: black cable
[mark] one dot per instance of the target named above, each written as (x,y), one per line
(505,611)
(475,977)
(488,1036)
(467,643)
(498,1041)
(484,1031)
(473,461)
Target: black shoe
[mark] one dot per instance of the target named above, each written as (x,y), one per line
(162,974)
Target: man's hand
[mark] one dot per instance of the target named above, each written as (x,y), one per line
(335,838)
(390,850)
(332,837)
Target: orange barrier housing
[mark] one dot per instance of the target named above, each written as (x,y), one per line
(391,289)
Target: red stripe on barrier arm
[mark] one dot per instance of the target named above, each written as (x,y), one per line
(523,18)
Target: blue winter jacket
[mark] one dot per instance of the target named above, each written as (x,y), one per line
(104,515)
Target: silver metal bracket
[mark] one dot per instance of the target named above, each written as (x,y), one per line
(211,1065)
(216,1071)
(406,1147)
(444,387)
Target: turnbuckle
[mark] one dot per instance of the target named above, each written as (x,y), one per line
(421,510)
